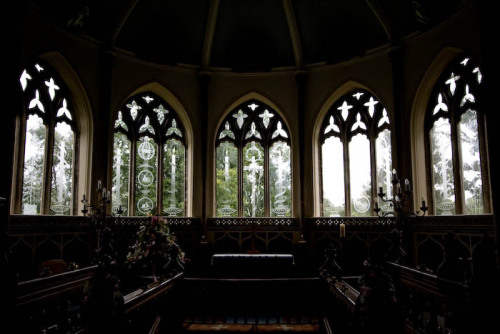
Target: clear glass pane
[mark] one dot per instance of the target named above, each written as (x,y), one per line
(121,173)
(33,165)
(332,158)
(227,180)
(473,187)
(384,165)
(444,190)
(280,181)
(61,190)
(253,180)
(146,176)
(359,167)
(174,178)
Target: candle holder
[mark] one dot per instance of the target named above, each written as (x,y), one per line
(398,204)
(98,216)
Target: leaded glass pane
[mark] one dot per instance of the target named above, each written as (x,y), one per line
(49,150)
(441,151)
(253,180)
(145,116)
(280,180)
(332,159)
(473,187)
(174,160)
(146,176)
(160,113)
(227,180)
(121,173)
(266,117)
(359,167)
(253,169)
(33,165)
(356,120)
(61,192)
(384,163)
(134,108)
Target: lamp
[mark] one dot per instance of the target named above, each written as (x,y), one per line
(398,205)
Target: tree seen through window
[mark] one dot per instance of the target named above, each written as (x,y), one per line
(253,163)
(49,146)
(149,142)
(354,127)
(454,125)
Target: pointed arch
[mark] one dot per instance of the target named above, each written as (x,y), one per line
(320,127)
(448,137)
(418,112)
(83,123)
(182,132)
(252,154)
(177,105)
(252,96)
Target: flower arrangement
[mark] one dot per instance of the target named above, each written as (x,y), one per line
(155,251)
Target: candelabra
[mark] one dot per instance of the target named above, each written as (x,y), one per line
(98,216)
(398,204)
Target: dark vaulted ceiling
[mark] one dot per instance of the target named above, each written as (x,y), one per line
(246,35)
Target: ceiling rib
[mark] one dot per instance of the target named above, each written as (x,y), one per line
(209,33)
(382,18)
(294,33)
(121,21)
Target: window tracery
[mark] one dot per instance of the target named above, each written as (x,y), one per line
(149,143)
(455,136)
(356,155)
(253,163)
(49,133)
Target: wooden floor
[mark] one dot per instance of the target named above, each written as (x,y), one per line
(251,305)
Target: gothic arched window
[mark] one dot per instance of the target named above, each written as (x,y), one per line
(253,163)
(356,155)
(48,135)
(454,126)
(149,148)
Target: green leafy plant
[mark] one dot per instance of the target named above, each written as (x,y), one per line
(155,251)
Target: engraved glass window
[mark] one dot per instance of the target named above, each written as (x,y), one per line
(355,131)
(253,180)
(33,165)
(148,129)
(332,152)
(455,129)
(227,179)
(281,178)
(253,163)
(61,191)
(49,143)
(174,161)
(145,178)
(472,182)
(359,164)
(384,164)
(444,191)
(121,167)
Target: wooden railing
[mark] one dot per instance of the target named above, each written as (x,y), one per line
(42,290)
(138,298)
(52,304)
(34,238)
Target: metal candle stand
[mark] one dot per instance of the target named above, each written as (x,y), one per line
(398,204)
(98,216)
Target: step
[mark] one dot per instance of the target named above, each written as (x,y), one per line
(251,328)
